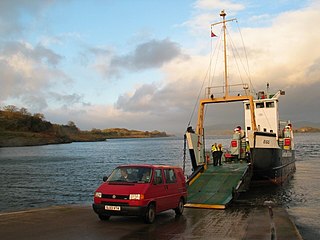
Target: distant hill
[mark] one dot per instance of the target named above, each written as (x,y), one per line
(302,124)
(307,130)
(125,133)
(219,129)
(18,127)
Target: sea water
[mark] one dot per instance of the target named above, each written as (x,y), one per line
(43,176)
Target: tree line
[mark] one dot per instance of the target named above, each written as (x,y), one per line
(16,120)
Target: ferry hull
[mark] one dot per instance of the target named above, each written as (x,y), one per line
(272,165)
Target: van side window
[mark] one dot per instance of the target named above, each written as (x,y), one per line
(157,177)
(170,176)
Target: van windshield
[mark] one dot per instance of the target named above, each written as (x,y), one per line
(131,174)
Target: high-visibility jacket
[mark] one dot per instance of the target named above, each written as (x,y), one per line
(247,147)
(214,148)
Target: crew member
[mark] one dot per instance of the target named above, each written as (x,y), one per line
(215,154)
(239,131)
(220,153)
(248,151)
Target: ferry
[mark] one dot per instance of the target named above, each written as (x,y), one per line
(272,143)
(261,151)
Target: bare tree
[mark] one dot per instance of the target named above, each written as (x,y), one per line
(39,115)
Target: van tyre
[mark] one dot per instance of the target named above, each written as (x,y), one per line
(150,214)
(180,208)
(104,217)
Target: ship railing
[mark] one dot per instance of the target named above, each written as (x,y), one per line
(233,90)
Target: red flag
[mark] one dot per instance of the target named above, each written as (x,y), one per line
(212,34)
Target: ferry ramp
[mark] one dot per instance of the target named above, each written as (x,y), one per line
(217,186)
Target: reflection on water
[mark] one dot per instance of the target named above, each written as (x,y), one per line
(69,173)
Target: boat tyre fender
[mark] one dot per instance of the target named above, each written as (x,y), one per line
(150,214)
(179,209)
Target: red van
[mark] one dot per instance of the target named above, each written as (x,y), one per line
(141,190)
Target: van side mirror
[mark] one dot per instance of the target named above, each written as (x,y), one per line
(105,178)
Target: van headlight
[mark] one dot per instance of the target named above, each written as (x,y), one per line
(98,194)
(136,196)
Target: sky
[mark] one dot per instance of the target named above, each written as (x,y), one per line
(140,64)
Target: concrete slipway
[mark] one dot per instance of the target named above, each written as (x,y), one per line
(80,222)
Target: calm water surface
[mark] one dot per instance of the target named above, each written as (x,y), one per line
(50,175)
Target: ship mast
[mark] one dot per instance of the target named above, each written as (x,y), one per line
(223,15)
(226,97)
(224,27)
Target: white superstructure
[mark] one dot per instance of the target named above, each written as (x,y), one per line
(266,113)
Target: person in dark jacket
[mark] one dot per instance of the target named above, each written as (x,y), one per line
(220,152)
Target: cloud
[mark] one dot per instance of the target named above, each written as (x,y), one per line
(38,53)
(30,72)
(301,102)
(106,116)
(276,54)
(312,72)
(35,103)
(66,98)
(26,69)
(218,5)
(285,52)
(60,39)
(166,97)
(151,54)
(140,101)
(148,55)
(12,13)
(207,12)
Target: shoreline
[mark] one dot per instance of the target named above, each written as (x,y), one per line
(31,142)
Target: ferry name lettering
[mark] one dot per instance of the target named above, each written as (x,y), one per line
(266,141)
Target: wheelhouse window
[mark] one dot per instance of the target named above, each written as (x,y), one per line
(269,104)
(260,105)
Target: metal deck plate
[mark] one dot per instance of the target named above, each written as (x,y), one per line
(214,187)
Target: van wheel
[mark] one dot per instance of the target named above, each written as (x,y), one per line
(104,217)
(150,214)
(180,208)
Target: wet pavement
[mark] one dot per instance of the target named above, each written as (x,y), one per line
(80,222)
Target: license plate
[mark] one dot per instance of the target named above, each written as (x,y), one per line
(112,208)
